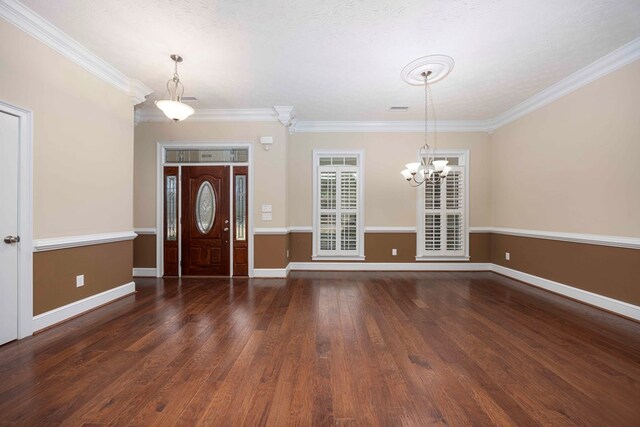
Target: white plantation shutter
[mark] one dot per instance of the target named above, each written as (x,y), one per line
(443,215)
(328,202)
(432,217)
(454,229)
(338,231)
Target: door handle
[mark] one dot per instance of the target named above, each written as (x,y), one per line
(225,229)
(10,239)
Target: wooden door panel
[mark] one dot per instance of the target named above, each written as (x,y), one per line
(205,253)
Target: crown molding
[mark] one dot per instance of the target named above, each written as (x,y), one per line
(611,62)
(138,91)
(215,115)
(390,126)
(47,33)
(285,114)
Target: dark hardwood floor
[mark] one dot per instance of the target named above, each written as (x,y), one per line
(329,349)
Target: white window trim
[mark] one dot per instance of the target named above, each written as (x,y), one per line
(464,157)
(316,208)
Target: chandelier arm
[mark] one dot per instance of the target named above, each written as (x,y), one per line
(181,86)
(169,89)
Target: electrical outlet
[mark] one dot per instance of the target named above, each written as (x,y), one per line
(79,280)
(507,256)
(394,252)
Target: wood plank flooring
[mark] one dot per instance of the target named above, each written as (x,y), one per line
(327,348)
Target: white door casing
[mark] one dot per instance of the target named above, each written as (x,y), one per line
(16,219)
(9,160)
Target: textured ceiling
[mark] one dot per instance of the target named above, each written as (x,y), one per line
(341,59)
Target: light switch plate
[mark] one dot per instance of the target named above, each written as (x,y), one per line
(79,280)
(394,252)
(267,217)
(267,208)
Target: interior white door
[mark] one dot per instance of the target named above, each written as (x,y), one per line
(9,146)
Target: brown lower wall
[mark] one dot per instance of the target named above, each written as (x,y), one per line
(104,266)
(144,251)
(270,250)
(604,270)
(378,246)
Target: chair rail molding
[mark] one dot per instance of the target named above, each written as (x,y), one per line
(592,239)
(55,243)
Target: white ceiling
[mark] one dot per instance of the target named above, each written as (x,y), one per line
(341,59)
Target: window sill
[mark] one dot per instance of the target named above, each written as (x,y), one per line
(442,258)
(337,258)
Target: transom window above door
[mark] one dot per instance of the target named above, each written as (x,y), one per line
(206,155)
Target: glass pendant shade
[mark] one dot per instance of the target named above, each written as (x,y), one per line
(175,110)
(406,174)
(445,171)
(439,165)
(412,167)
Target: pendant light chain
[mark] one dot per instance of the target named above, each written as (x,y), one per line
(435,120)
(428,169)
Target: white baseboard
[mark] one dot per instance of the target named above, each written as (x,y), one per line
(271,272)
(610,304)
(144,272)
(60,314)
(388,266)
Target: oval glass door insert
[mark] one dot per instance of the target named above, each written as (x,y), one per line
(205,207)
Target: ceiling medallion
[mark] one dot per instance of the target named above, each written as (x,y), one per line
(439,65)
(424,72)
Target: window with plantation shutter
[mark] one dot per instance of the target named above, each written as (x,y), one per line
(338,228)
(443,213)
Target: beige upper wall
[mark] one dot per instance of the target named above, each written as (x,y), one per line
(269,166)
(389,200)
(83,139)
(572,166)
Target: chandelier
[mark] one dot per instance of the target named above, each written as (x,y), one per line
(425,71)
(173,107)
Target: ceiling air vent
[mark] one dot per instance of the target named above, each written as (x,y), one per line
(398,108)
(189,99)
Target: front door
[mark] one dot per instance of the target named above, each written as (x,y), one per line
(205,220)
(9,146)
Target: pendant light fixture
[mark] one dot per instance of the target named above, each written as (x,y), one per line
(425,71)
(173,107)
